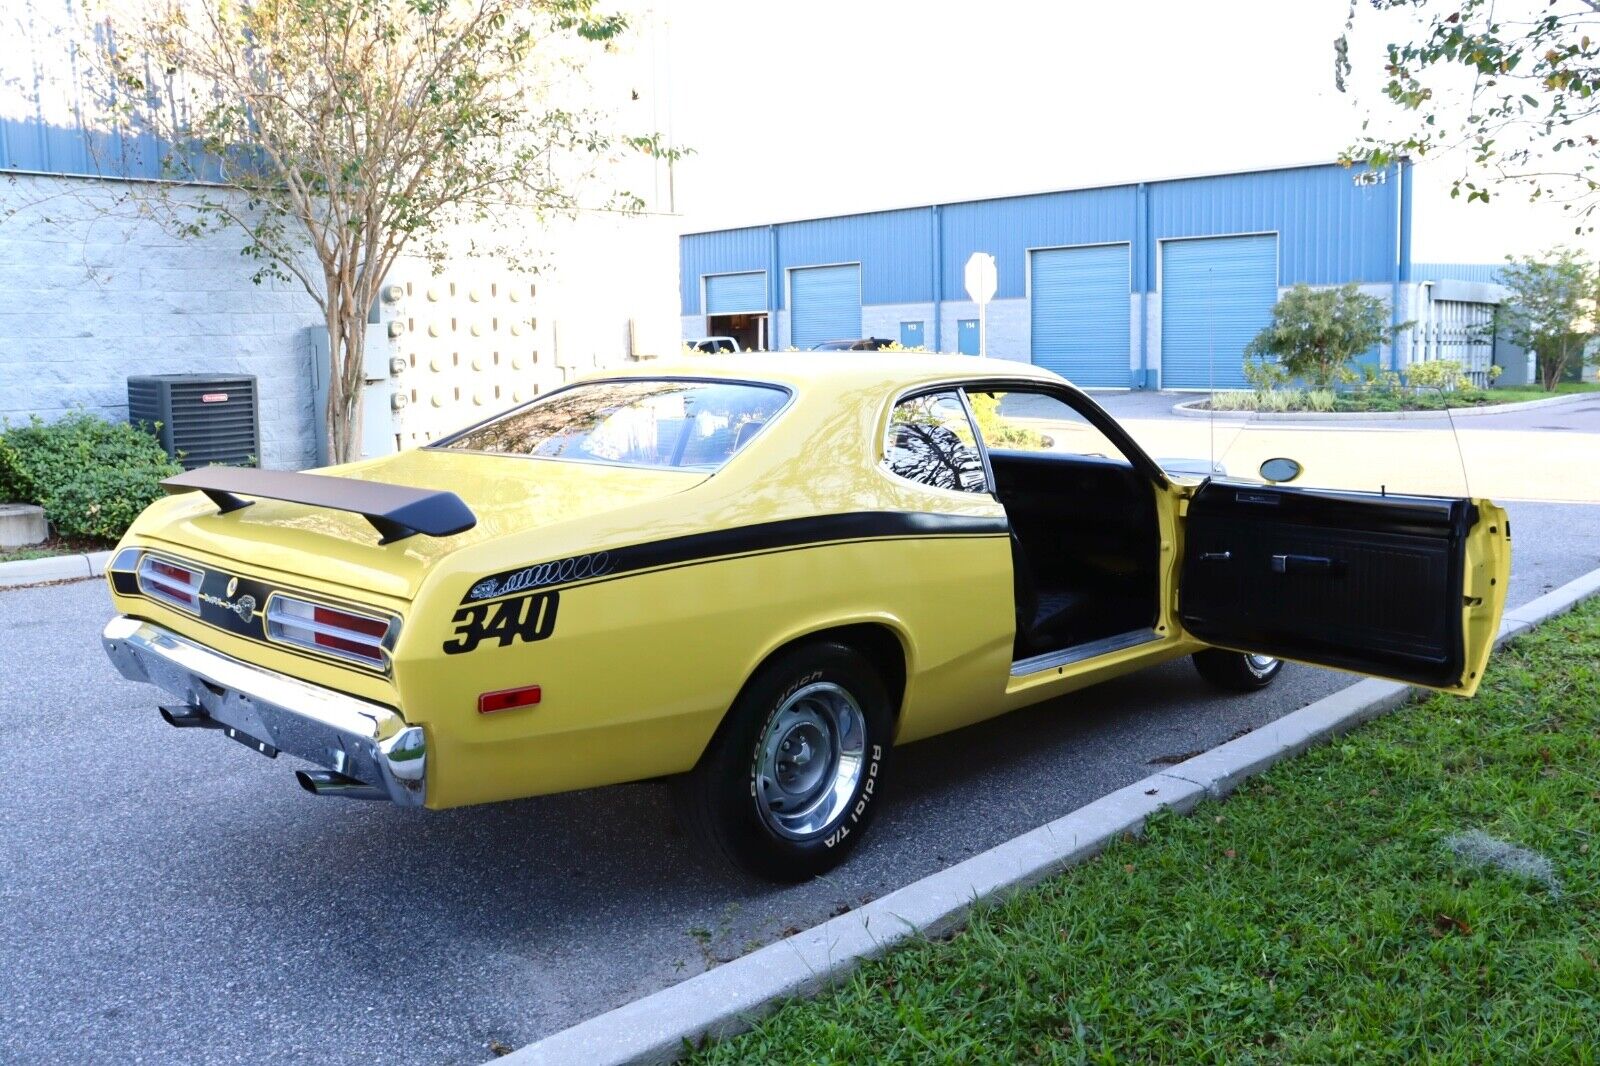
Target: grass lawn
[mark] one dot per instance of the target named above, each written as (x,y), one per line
(1536,392)
(1321,914)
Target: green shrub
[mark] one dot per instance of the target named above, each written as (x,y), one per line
(1315,334)
(1265,374)
(1443,375)
(1321,400)
(997,430)
(92,477)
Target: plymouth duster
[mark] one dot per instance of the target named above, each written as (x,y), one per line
(757,574)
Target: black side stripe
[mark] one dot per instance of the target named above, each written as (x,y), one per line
(742,540)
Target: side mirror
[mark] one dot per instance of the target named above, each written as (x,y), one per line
(1280,471)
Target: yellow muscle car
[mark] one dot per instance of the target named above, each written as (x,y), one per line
(759,572)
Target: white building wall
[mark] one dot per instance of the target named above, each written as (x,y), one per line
(478,337)
(93,289)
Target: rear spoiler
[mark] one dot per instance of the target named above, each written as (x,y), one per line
(395,511)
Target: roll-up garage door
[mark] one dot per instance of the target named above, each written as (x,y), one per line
(824,304)
(733,294)
(1080,313)
(1216,295)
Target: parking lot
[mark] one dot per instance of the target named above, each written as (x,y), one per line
(173,897)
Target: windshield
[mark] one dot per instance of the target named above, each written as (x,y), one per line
(695,425)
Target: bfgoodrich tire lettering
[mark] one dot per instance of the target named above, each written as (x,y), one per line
(792,778)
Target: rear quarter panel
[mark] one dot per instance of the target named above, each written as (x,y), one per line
(638,670)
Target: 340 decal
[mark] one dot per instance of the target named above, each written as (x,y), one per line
(526,618)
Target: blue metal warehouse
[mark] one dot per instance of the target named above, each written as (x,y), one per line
(1145,285)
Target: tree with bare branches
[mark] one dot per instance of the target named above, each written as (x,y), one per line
(338,135)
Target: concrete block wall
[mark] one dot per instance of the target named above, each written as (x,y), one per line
(1408,294)
(1152,340)
(883,320)
(1009,327)
(94,289)
(477,337)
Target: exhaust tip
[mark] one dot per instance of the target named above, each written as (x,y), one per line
(188,718)
(329,783)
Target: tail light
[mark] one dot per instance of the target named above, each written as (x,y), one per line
(171,582)
(333,631)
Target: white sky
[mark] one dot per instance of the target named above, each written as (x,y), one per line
(837,106)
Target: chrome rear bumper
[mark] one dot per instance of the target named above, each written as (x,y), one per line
(360,740)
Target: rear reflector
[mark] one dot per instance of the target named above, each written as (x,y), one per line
(508,699)
(331,630)
(170,583)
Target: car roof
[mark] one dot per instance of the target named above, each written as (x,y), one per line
(811,369)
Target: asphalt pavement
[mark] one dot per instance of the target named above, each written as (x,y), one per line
(169,896)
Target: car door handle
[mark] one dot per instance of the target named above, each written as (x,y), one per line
(1302,564)
(1215,557)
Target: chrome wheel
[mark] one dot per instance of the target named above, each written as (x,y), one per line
(809,760)
(1260,665)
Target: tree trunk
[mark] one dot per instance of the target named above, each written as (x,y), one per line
(347,337)
(1551,363)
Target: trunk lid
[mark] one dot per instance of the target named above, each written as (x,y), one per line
(507,494)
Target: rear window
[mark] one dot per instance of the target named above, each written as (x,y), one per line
(696,425)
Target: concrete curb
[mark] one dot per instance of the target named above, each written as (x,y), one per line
(732,997)
(53,568)
(1186,410)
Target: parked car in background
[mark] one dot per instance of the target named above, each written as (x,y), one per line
(759,575)
(860,344)
(712,344)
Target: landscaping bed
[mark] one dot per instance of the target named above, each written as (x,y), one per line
(56,546)
(1359,401)
(1424,888)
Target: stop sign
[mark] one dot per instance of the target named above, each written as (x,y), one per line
(981,277)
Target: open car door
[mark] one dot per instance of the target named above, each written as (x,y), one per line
(1403,587)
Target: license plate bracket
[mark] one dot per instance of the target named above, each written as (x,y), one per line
(259,746)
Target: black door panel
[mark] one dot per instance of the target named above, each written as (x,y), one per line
(1364,582)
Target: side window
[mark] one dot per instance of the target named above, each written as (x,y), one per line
(930,440)
(1035,422)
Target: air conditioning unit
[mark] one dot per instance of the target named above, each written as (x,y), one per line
(200,419)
